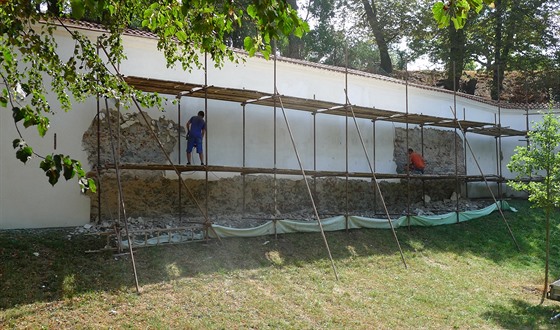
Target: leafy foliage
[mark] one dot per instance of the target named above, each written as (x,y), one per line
(541,157)
(31,65)
(359,34)
(23,151)
(508,36)
(456,11)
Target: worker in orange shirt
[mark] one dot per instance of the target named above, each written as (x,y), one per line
(416,163)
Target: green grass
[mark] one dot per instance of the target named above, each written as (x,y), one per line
(465,276)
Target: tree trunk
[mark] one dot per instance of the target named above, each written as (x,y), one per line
(545,290)
(497,70)
(295,44)
(371,14)
(456,57)
(547,248)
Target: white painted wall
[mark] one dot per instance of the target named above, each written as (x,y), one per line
(27,200)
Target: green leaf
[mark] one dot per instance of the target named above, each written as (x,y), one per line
(79,170)
(440,14)
(248,43)
(24,154)
(92,186)
(43,126)
(53,175)
(57,159)
(46,164)
(26,89)
(476,5)
(185,7)
(252,11)
(3,101)
(68,172)
(88,184)
(30,120)
(78,9)
(300,30)
(457,22)
(266,52)
(7,55)
(18,114)
(16,143)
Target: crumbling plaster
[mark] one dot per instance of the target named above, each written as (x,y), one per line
(153,194)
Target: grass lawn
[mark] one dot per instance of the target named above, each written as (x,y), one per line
(464,276)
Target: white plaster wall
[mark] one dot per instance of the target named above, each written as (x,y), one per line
(27,200)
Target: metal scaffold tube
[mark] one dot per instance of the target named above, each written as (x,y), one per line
(207,224)
(498,205)
(307,186)
(179,152)
(275,190)
(244,164)
(407,160)
(465,157)
(422,152)
(277,96)
(455,145)
(98,165)
(375,180)
(206,154)
(314,114)
(346,211)
(121,196)
(374,166)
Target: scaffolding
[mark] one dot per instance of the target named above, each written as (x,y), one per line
(316,107)
(252,97)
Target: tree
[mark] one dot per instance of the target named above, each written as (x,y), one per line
(295,44)
(510,35)
(447,45)
(514,36)
(361,34)
(377,28)
(540,157)
(457,11)
(456,56)
(30,65)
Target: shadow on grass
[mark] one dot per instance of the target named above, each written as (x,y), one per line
(522,315)
(47,265)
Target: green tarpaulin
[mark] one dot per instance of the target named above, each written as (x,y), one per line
(354,222)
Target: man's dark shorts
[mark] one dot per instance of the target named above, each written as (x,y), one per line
(194,142)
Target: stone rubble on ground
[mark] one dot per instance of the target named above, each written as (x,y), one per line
(167,221)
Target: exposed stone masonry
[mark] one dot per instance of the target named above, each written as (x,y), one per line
(136,143)
(151,195)
(439,149)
